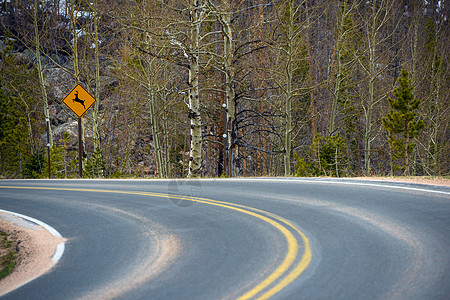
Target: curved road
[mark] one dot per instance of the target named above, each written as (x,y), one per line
(242,238)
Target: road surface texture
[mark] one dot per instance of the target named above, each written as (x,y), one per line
(239,238)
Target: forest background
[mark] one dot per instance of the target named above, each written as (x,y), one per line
(226,87)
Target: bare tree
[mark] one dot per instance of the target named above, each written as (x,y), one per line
(378,25)
(343,60)
(291,77)
(29,31)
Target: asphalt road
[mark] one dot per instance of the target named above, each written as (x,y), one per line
(247,238)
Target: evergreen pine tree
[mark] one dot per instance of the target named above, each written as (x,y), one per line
(96,166)
(331,155)
(401,120)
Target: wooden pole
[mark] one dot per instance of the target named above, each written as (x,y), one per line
(47,120)
(80,150)
(225,141)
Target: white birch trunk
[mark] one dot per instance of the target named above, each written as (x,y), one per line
(195,155)
(97,80)
(229,78)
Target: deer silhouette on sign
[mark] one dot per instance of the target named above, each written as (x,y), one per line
(78,100)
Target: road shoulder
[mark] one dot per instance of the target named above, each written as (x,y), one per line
(35,248)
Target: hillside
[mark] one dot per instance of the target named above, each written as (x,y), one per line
(233,88)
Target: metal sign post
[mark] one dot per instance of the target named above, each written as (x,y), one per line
(79,101)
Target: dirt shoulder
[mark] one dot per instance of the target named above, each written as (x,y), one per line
(417,179)
(35,248)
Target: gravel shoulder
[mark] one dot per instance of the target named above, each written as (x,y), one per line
(417,179)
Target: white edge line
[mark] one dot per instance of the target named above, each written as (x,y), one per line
(58,252)
(379,185)
(340,181)
(59,249)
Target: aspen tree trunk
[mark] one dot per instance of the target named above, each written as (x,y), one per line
(311,79)
(291,35)
(435,125)
(377,30)
(312,107)
(291,54)
(155,132)
(29,128)
(414,65)
(76,74)
(166,161)
(97,79)
(339,69)
(368,129)
(40,72)
(229,77)
(337,86)
(73,19)
(195,156)
(371,98)
(288,107)
(407,169)
(434,105)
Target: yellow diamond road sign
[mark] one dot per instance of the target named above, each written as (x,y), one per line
(79,100)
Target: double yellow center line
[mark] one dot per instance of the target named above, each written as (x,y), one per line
(292,265)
